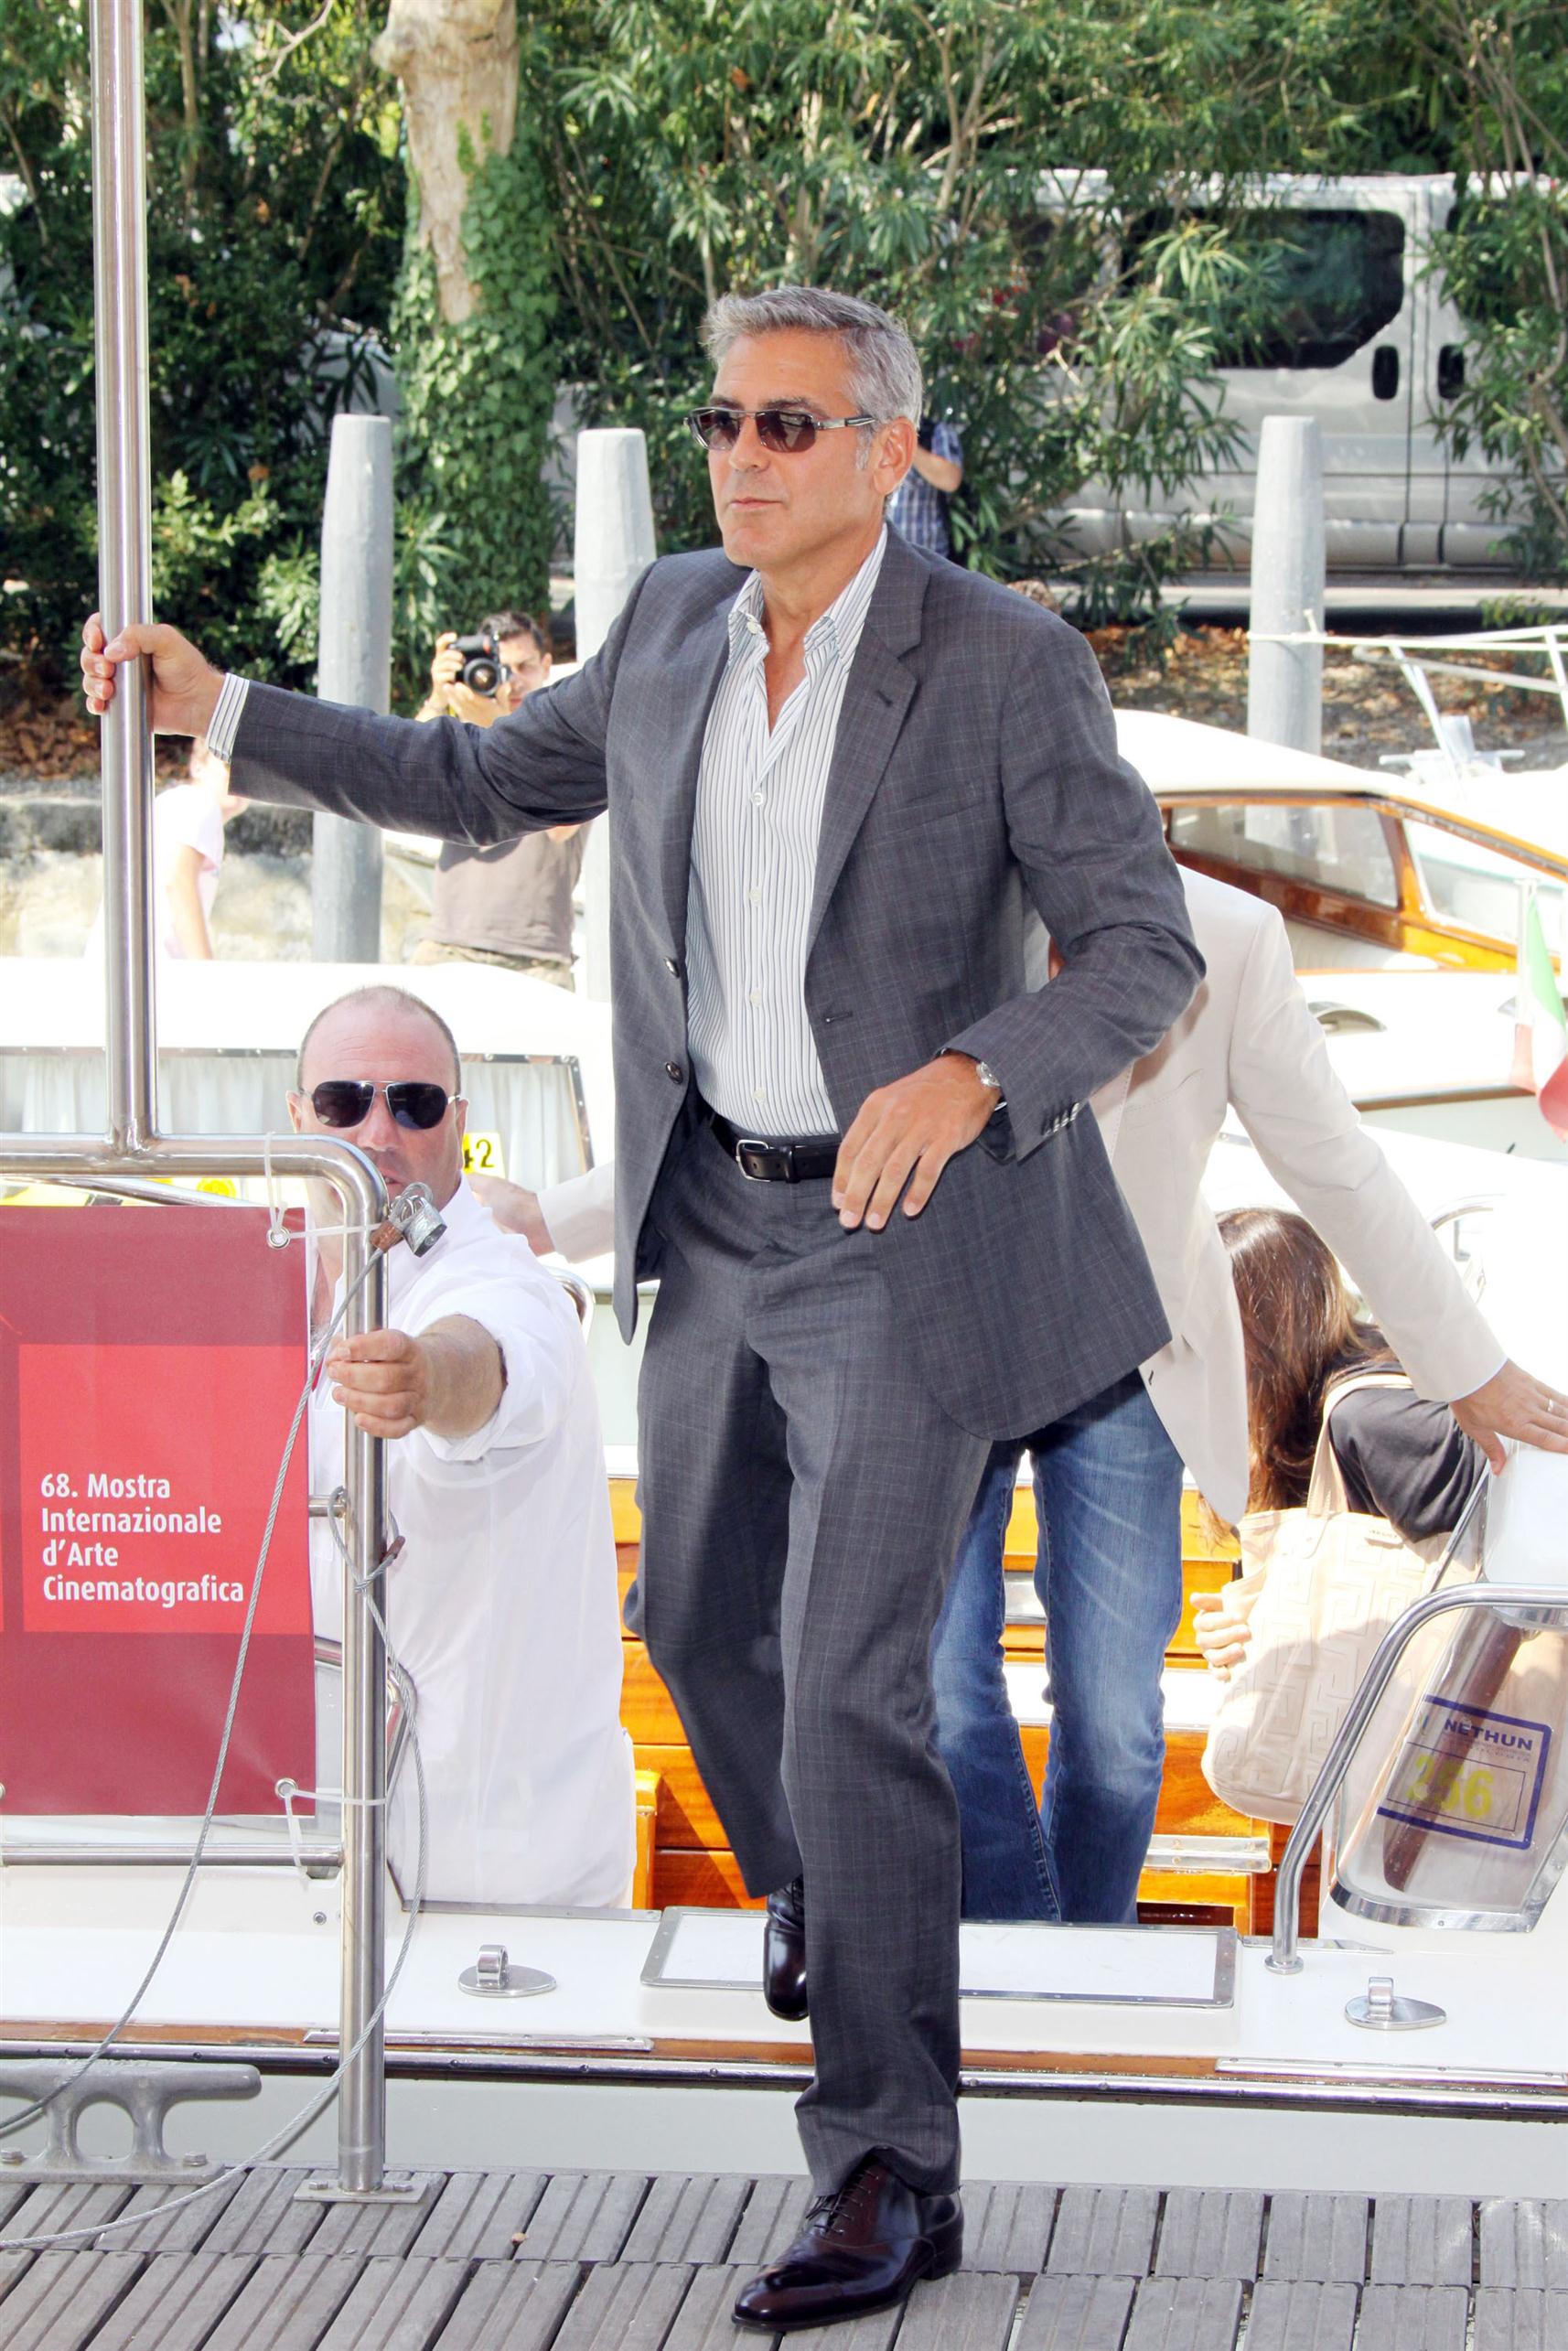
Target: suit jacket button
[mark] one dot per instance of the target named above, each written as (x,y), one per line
(672,966)
(673,1069)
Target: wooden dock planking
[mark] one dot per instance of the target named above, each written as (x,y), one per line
(529,2260)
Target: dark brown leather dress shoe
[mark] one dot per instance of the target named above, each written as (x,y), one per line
(784,1952)
(862,2248)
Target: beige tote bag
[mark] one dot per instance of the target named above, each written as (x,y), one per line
(1329,1581)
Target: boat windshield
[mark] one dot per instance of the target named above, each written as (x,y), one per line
(1463,882)
(1342,848)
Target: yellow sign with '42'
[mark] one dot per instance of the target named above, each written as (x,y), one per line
(482,1155)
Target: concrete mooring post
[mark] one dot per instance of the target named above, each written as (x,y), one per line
(614,545)
(1285,682)
(354,665)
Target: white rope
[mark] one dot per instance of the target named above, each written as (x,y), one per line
(326,1795)
(279,1234)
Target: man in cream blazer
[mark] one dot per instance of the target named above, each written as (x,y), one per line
(1108,1476)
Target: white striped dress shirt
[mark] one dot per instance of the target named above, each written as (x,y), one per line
(754,867)
(754,864)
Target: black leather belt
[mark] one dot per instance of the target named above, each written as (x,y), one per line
(766,1160)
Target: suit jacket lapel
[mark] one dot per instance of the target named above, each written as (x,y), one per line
(876,699)
(694,680)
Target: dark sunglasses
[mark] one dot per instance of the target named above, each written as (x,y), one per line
(787,430)
(346,1102)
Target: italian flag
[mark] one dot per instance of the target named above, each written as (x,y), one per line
(1540,1036)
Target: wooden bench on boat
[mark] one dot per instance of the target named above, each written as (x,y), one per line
(1207,1865)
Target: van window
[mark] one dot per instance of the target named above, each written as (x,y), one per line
(1329,282)
(1482,275)
(1341,282)
(1338,848)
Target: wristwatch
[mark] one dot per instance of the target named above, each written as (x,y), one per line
(983,1070)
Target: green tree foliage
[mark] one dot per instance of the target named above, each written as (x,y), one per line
(276,202)
(668,149)
(900,148)
(1500,74)
(477,402)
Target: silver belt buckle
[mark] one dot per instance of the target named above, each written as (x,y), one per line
(749,1149)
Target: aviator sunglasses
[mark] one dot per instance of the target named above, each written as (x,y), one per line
(412,1101)
(789,432)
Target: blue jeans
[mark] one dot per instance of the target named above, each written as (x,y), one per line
(1107,1488)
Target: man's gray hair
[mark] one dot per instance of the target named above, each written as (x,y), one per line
(884,366)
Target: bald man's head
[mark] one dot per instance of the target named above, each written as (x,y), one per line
(381,1037)
(379,999)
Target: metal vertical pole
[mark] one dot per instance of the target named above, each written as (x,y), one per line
(362,2101)
(124,506)
(124,556)
(354,666)
(613,546)
(1284,681)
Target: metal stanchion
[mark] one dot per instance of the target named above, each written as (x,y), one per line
(125,555)
(132,1146)
(362,2112)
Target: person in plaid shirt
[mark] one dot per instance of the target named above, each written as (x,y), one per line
(919,507)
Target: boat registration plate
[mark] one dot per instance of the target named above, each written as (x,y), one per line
(1471,1773)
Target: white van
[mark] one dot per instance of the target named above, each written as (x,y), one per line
(1374,351)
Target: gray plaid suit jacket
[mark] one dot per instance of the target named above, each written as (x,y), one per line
(975,761)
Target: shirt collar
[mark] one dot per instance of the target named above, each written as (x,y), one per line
(837,631)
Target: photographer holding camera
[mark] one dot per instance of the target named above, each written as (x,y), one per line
(510,903)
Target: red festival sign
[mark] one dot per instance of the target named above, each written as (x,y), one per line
(150,1363)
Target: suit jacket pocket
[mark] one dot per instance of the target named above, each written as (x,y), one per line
(928,809)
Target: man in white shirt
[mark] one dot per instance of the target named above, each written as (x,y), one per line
(502,1603)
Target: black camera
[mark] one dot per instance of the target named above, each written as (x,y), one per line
(482,665)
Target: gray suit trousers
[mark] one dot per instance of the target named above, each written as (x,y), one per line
(803,1494)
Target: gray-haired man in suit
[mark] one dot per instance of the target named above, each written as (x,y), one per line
(848,1143)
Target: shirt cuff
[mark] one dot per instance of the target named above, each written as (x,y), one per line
(1501,1365)
(226,718)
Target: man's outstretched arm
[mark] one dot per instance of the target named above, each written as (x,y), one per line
(541,765)
(448,1380)
(1309,1136)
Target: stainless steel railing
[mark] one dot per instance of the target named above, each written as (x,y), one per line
(361,2137)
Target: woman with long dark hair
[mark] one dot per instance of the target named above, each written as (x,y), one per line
(1403,1457)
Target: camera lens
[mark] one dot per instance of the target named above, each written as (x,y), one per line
(481,672)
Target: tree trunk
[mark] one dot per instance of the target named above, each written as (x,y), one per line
(457,62)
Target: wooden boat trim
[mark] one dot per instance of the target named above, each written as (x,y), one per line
(1047,2076)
